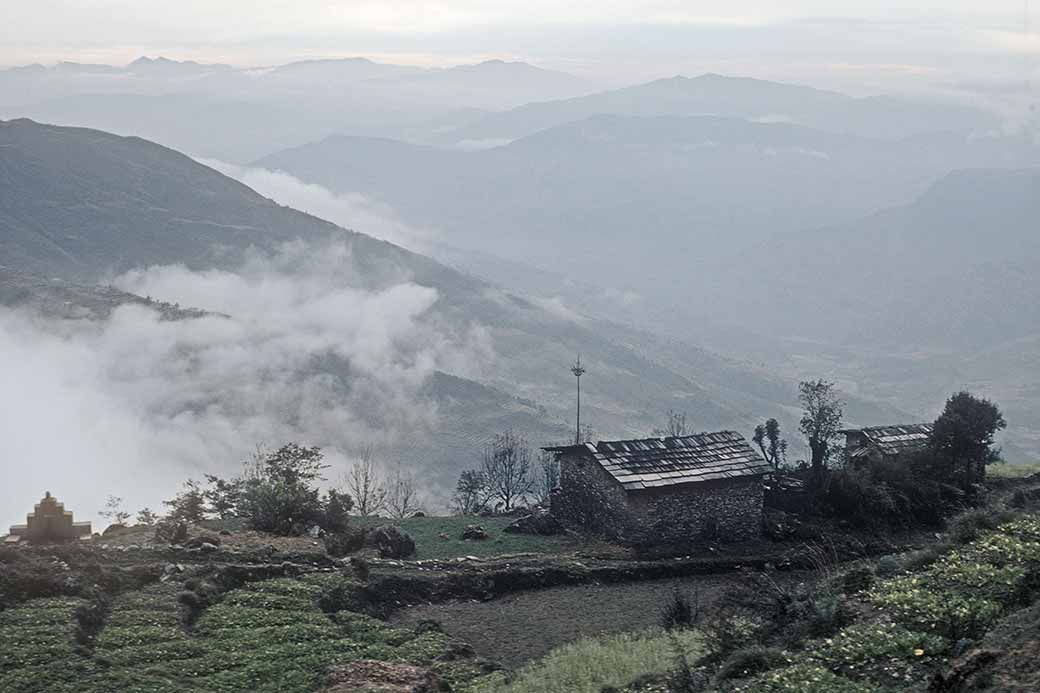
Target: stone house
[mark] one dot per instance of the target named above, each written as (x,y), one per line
(886,443)
(662,490)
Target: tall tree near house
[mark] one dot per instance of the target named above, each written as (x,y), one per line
(768,439)
(962,439)
(402,499)
(507,469)
(548,475)
(821,420)
(675,428)
(365,485)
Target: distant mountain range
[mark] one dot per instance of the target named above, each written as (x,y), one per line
(241,114)
(602,200)
(238,114)
(751,99)
(81,205)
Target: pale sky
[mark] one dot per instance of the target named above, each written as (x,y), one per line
(621,40)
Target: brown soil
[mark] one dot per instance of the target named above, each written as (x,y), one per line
(516,628)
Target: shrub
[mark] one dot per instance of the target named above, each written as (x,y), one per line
(967,526)
(342,544)
(680,612)
(888,566)
(337,509)
(857,580)
(727,631)
(749,661)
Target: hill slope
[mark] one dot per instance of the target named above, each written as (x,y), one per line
(616,190)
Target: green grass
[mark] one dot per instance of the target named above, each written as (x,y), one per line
(586,666)
(429,544)
(1007,470)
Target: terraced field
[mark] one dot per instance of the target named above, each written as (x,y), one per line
(264,636)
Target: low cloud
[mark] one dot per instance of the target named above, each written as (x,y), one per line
(135,404)
(353,211)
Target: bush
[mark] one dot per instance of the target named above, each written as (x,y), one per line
(967,526)
(892,494)
(344,543)
(888,566)
(680,612)
(337,511)
(726,632)
(749,661)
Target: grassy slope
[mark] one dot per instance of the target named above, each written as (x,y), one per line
(430,544)
(587,666)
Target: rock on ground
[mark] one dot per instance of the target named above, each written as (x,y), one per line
(538,522)
(391,541)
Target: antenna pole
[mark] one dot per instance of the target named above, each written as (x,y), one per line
(578,371)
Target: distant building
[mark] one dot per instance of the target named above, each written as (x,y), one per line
(663,490)
(886,443)
(49,522)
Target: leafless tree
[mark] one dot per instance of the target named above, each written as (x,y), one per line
(507,468)
(548,475)
(365,486)
(402,500)
(114,511)
(676,426)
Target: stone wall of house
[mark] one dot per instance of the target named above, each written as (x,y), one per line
(588,498)
(729,510)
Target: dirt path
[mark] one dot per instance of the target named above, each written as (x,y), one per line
(523,626)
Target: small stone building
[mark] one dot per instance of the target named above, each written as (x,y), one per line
(678,490)
(49,522)
(886,443)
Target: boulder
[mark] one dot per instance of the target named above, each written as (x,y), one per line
(391,541)
(199,540)
(113,529)
(383,677)
(474,533)
(537,522)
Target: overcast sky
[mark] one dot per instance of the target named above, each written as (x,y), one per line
(864,44)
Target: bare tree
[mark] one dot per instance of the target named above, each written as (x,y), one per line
(114,511)
(821,419)
(365,486)
(676,426)
(768,439)
(585,435)
(402,500)
(548,475)
(507,468)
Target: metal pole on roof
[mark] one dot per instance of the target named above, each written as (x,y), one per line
(578,371)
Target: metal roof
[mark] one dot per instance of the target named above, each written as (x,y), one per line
(894,440)
(657,462)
